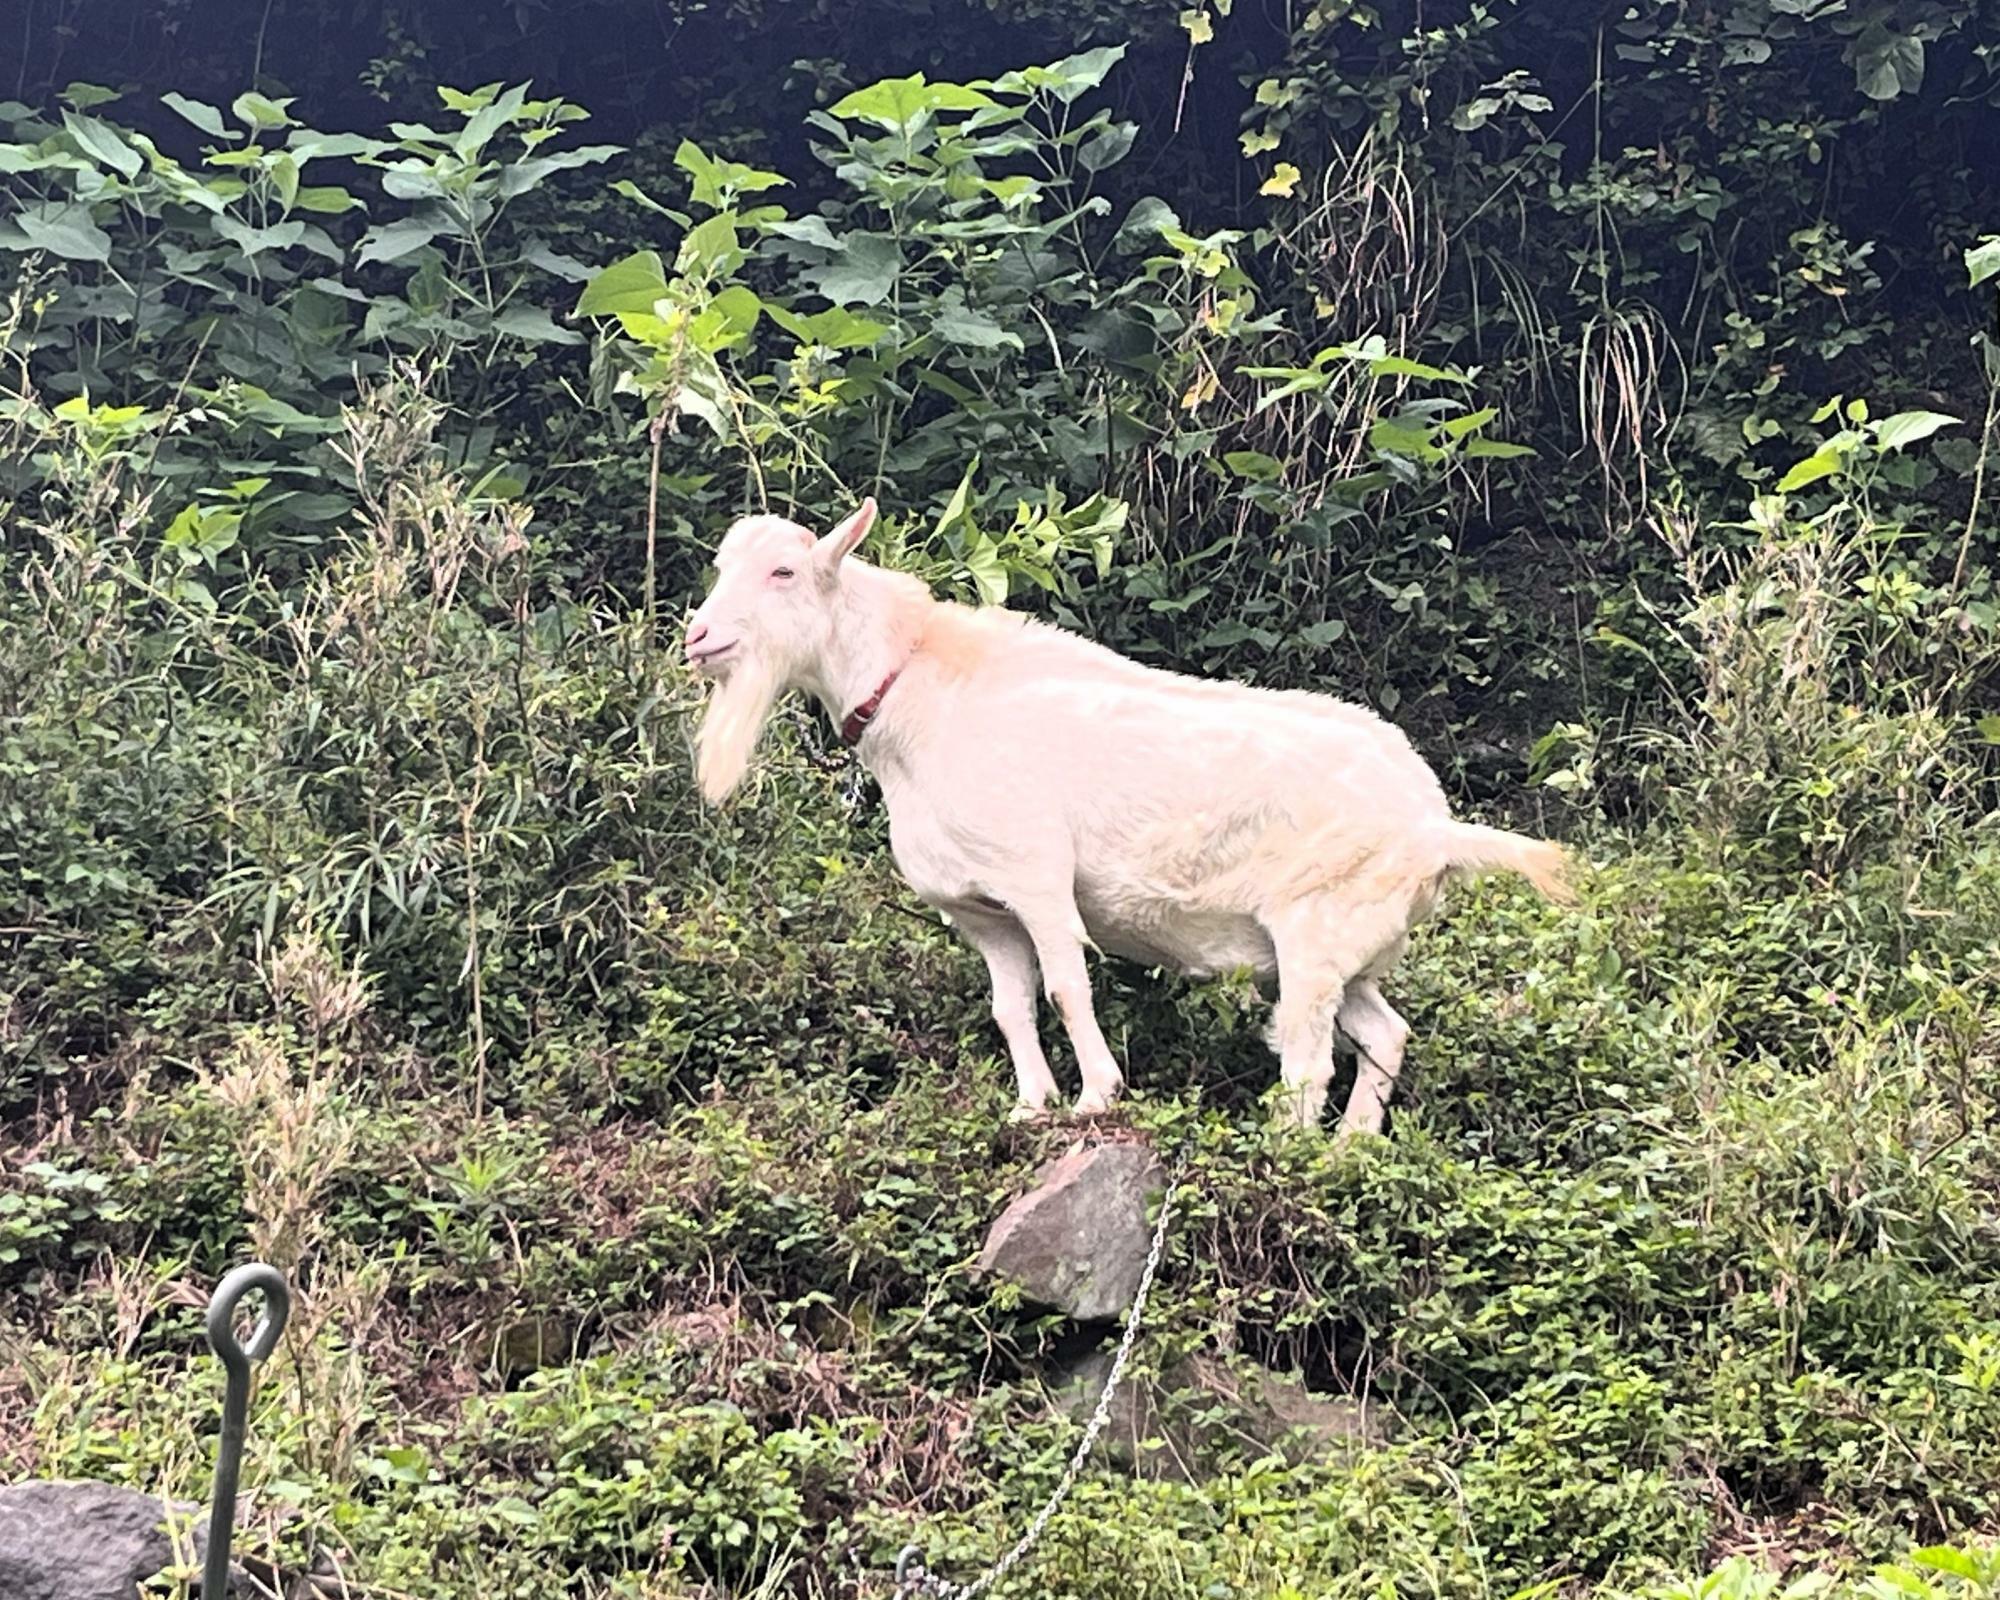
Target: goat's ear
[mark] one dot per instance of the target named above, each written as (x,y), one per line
(838,545)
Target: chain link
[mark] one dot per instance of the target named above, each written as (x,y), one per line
(911,1578)
(835,759)
(856,788)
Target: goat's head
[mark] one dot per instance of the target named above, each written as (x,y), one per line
(766,625)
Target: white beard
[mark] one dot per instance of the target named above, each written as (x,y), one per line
(738,707)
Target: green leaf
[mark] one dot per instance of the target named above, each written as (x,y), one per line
(1198,25)
(535,325)
(1823,463)
(1887,64)
(1255,465)
(1108,147)
(1497,449)
(309,146)
(465,102)
(1905,428)
(255,241)
(1236,632)
(988,574)
(1943,1557)
(836,328)
(863,272)
(1404,367)
(1013,190)
(1401,437)
(1474,114)
(1298,380)
(392,241)
(1149,217)
(556,264)
(325,199)
(959,324)
(807,230)
(284,171)
(204,117)
(1989,728)
(726,320)
(1283,180)
(1075,76)
(254,404)
(65,231)
(957,509)
(1982,260)
(900,104)
(487,120)
(711,245)
(101,142)
(631,191)
(260,113)
(1066,80)
(715,181)
(632,284)
(85,95)
(518,177)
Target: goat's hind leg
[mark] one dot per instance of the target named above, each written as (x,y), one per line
(1010,963)
(1379,1036)
(1329,955)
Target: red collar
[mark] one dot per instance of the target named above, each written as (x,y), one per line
(858,719)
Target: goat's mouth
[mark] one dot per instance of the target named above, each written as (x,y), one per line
(705,658)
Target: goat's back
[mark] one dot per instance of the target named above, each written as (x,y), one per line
(1023,745)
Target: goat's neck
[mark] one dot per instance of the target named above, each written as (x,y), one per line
(873,639)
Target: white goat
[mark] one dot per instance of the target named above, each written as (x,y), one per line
(1046,793)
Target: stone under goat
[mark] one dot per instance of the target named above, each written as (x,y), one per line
(1048,794)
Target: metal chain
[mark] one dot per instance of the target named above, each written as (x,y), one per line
(857,779)
(911,1578)
(833,760)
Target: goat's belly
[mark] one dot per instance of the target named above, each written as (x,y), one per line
(1197,943)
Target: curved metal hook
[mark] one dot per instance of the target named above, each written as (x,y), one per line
(236,1362)
(237,1357)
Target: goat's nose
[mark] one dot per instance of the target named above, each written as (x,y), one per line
(696,633)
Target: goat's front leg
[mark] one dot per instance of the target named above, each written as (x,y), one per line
(1058,935)
(1010,962)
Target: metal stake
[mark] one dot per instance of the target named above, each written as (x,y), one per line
(236,1362)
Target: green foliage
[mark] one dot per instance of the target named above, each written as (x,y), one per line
(632,1208)
(242,285)
(358,912)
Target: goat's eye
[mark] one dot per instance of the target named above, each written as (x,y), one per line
(783,572)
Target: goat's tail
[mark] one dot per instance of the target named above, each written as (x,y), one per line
(1471,847)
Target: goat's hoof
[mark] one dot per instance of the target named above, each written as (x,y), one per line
(1029,1116)
(1095,1105)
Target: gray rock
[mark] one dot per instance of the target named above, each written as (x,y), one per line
(88,1541)
(1183,1424)
(78,1540)
(1077,1241)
